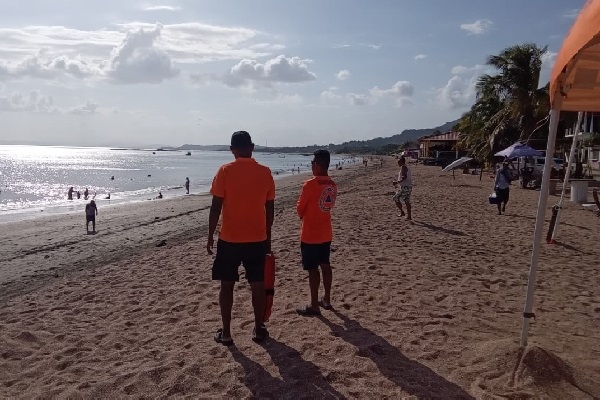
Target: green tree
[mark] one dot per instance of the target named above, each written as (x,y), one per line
(509,105)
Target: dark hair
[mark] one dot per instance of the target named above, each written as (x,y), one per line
(323,158)
(402,160)
(241,139)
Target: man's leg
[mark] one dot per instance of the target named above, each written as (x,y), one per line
(408,211)
(327,279)
(93,225)
(314,280)
(399,205)
(258,303)
(226,304)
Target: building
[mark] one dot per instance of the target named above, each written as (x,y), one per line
(436,145)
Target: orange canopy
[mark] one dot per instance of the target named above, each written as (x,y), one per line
(576,73)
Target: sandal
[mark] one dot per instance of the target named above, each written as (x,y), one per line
(220,339)
(260,335)
(325,305)
(308,311)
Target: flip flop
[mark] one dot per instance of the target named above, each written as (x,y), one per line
(261,335)
(307,311)
(325,305)
(220,339)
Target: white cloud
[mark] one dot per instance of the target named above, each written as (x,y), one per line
(343,75)
(357,99)
(400,92)
(137,60)
(250,73)
(54,52)
(340,46)
(477,69)
(458,93)
(548,59)
(161,8)
(281,99)
(330,95)
(398,89)
(33,102)
(420,57)
(88,108)
(478,27)
(375,46)
(571,14)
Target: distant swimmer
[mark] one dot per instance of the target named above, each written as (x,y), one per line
(107,197)
(187,185)
(112,178)
(78,194)
(160,196)
(90,216)
(70,193)
(86,193)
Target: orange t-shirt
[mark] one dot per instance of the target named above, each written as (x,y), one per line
(245,187)
(314,208)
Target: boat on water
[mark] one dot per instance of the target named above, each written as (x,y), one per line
(189,153)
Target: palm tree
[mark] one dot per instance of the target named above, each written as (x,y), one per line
(509,105)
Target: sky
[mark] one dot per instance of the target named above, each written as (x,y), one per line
(292,73)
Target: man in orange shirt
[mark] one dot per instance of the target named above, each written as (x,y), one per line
(314,207)
(244,192)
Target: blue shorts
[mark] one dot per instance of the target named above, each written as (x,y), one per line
(314,255)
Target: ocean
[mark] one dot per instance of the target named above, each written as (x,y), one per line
(34,180)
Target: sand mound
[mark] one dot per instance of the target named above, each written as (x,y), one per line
(501,369)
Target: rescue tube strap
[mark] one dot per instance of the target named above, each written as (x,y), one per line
(528,315)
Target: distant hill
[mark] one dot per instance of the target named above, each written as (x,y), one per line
(380,144)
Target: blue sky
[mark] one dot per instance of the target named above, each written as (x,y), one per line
(292,73)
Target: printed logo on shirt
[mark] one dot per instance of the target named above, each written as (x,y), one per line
(327,199)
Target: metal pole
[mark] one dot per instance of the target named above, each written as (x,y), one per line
(539,221)
(567,175)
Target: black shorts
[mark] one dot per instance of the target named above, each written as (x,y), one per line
(314,255)
(231,255)
(90,218)
(503,195)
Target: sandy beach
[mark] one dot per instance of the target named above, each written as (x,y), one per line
(431,309)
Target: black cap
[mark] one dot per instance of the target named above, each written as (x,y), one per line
(241,139)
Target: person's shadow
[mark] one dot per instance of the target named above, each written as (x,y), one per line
(299,378)
(439,228)
(409,375)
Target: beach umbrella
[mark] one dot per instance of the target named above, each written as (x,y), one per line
(518,150)
(574,86)
(457,163)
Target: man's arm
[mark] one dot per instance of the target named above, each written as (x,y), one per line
(213,221)
(270,208)
(403,173)
(302,202)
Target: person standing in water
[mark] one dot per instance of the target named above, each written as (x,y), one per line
(86,193)
(187,185)
(314,209)
(90,216)
(404,186)
(70,193)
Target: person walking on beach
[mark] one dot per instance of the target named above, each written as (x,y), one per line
(187,185)
(314,209)
(404,189)
(502,187)
(90,216)
(244,192)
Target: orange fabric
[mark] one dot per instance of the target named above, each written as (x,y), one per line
(314,208)
(579,52)
(245,187)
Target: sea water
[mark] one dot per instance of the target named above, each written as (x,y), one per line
(34,180)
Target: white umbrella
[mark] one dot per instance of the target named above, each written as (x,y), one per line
(457,163)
